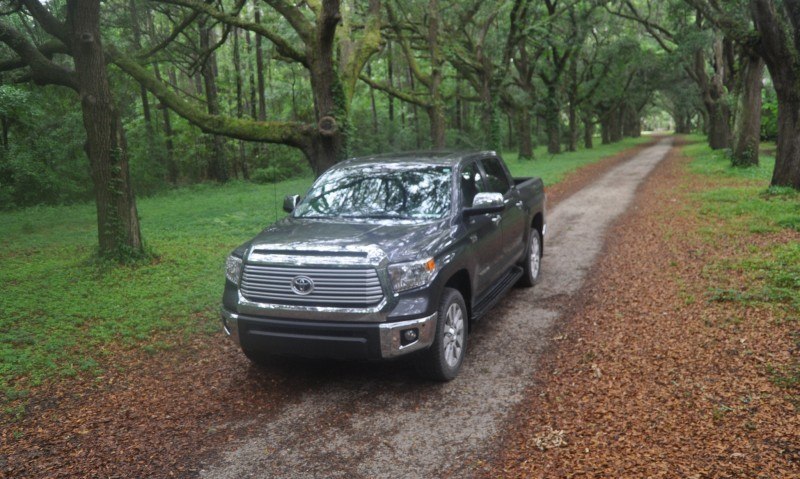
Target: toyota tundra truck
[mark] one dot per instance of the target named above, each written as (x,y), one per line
(387,256)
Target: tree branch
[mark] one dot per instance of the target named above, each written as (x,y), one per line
(281,132)
(293,15)
(43,71)
(399,94)
(281,44)
(46,19)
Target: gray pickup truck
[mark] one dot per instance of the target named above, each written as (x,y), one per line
(387,256)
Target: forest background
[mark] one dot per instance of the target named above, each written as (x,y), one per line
(167,93)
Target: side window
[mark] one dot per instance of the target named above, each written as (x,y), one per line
(471,183)
(496,177)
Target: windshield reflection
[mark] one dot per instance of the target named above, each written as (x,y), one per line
(416,192)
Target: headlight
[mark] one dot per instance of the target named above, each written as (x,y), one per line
(233,269)
(412,274)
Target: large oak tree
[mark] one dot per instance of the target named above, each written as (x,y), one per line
(77,34)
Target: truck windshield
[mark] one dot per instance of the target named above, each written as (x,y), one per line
(416,192)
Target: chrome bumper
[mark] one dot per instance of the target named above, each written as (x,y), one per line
(230,324)
(391,345)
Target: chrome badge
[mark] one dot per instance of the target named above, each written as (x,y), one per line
(302,285)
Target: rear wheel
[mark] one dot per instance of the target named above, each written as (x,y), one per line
(532,264)
(442,361)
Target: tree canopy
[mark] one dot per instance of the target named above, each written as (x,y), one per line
(173,92)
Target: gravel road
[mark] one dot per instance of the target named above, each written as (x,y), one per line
(378,420)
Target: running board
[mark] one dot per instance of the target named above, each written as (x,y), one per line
(498,291)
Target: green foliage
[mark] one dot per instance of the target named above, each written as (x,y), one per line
(43,162)
(553,168)
(283,164)
(62,314)
(769,113)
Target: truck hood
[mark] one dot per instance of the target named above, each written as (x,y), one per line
(399,241)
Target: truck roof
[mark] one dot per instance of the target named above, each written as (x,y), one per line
(435,157)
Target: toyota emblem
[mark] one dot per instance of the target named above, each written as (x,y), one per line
(302,285)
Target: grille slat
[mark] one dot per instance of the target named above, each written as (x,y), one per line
(352,287)
(340,283)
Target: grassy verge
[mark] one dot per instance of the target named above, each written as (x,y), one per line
(763,221)
(553,168)
(62,315)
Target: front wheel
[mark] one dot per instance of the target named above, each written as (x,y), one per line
(532,264)
(442,361)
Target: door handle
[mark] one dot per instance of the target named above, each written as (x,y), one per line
(519,204)
(496,220)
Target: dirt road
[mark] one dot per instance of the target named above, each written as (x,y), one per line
(379,420)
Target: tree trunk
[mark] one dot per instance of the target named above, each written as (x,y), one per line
(615,125)
(148,119)
(605,129)
(328,145)
(436,109)
(714,91)
(373,107)
(118,229)
(172,166)
(217,163)
(5,123)
(573,107)
(588,132)
(573,128)
(778,48)
(262,102)
(390,73)
(552,121)
(629,119)
(787,157)
(525,143)
(719,130)
(237,67)
(436,117)
(748,118)
(683,124)
(417,132)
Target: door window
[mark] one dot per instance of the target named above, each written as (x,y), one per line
(496,177)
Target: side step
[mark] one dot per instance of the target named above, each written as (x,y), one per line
(498,291)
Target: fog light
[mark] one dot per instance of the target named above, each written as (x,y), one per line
(410,335)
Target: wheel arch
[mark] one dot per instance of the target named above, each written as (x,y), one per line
(461,282)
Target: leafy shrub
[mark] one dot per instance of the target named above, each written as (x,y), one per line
(270,174)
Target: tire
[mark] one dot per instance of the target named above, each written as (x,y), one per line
(442,361)
(532,264)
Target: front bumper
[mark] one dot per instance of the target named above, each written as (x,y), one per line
(328,339)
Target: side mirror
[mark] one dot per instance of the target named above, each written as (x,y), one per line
(290,202)
(484,203)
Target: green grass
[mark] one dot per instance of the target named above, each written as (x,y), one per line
(553,168)
(62,314)
(742,203)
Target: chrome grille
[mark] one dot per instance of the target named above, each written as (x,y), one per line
(337,287)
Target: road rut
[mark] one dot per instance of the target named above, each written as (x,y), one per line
(380,421)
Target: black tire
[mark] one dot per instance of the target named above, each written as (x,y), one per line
(532,270)
(442,361)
